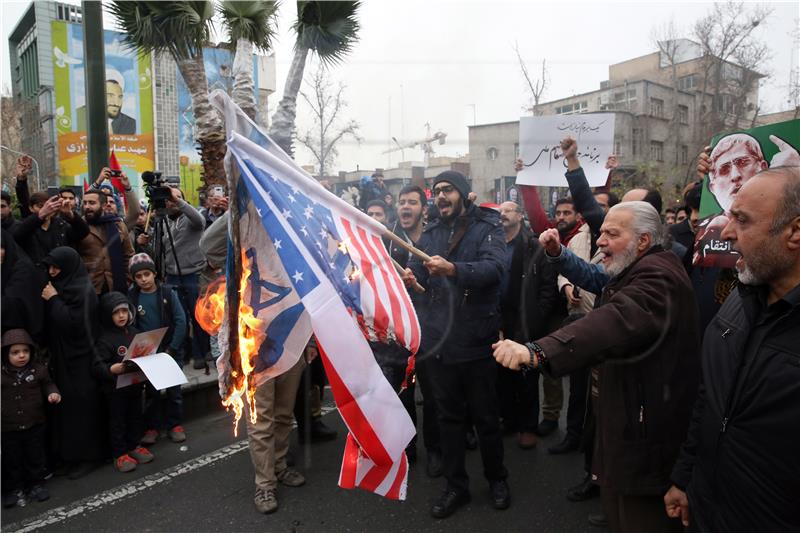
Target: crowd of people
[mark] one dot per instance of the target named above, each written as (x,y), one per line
(684,381)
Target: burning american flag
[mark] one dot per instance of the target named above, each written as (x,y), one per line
(309,256)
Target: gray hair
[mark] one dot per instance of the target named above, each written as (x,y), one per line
(646,220)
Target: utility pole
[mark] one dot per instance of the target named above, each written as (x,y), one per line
(95,76)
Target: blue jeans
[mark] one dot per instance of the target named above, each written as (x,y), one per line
(188,293)
(172,408)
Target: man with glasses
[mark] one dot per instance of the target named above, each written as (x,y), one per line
(459,314)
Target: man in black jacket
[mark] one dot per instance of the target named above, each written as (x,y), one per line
(459,314)
(739,468)
(529,296)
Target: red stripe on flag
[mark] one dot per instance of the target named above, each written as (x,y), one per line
(347,476)
(375,256)
(405,303)
(375,477)
(353,416)
(381,319)
(400,478)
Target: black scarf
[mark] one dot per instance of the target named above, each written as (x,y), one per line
(114,246)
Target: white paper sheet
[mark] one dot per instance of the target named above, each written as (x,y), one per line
(539,147)
(160,369)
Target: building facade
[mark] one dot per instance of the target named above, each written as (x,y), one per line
(663,104)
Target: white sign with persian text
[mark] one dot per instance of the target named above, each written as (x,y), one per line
(539,147)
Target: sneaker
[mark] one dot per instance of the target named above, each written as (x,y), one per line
(141,455)
(501,494)
(22,501)
(125,463)
(39,493)
(177,434)
(527,440)
(291,477)
(266,501)
(150,437)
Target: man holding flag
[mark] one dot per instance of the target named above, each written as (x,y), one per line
(312,257)
(460,310)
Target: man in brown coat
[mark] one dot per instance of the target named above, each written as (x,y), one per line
(643,334)
(107,250)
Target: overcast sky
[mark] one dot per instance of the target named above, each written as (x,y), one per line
(448,63)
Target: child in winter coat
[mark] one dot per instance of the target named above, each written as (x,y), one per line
(26,384)
(124,404)
(158,306)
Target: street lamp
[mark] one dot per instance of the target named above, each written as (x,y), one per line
(35,163)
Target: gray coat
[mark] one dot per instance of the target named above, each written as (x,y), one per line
(186,232)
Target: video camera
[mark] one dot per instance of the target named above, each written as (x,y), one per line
(156,189)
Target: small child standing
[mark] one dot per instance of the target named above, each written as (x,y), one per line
(125,404)
(25,385)
(158,306)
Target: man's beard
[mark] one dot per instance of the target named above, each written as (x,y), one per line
(765,264)
(565,227)
(456,208)
(91,215)
(621,260)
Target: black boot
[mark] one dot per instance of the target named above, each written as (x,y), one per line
(569,444)
(449,502)
(583,491)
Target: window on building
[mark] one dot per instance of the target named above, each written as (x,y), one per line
(684,154)
(636,142)
(577,107)
(687,82)
(656,150)
(657,107)
(683,114)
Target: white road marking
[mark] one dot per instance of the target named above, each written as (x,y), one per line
(95,502)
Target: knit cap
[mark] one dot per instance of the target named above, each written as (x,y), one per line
(457,180)
(16,336)
(141,261)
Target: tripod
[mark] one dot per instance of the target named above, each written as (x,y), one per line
(161,228)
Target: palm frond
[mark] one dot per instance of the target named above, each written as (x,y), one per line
(328,28)
(179,28)
(252,20)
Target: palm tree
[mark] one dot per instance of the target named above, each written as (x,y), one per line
(328,28)
(180,29)
(250,24)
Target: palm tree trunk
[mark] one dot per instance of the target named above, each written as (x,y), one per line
(282,128)
(209,131)
(243,86)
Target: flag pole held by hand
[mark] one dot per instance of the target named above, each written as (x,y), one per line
(400,270)
(406,246)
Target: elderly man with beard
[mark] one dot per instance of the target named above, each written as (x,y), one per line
(460,322)
(528,297)
(643,335)
(107,249)
(739,469)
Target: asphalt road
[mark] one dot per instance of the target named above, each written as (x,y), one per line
(207,485)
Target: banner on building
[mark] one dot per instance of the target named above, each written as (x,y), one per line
(219,72)
(735,158)
(539,147)
(129,104)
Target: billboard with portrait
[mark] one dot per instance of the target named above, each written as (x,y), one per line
(219,73)
(129,104)
(735,158)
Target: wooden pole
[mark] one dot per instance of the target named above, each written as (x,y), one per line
(406,246)
(400,270)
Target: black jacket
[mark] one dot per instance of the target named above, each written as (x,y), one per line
(24,393)
(531,292)
(740,464)
(38,242)
(112,344)
(460,315)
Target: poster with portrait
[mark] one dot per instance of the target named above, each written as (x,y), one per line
(735,158)
(540,147)
(219,73)
(129,104)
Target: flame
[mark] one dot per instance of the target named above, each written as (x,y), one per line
(210,312)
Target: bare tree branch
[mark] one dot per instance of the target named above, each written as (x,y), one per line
(537,86)
(327,103)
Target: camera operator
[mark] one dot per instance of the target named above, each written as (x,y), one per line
(131,200)
(216,205)
(186,225)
